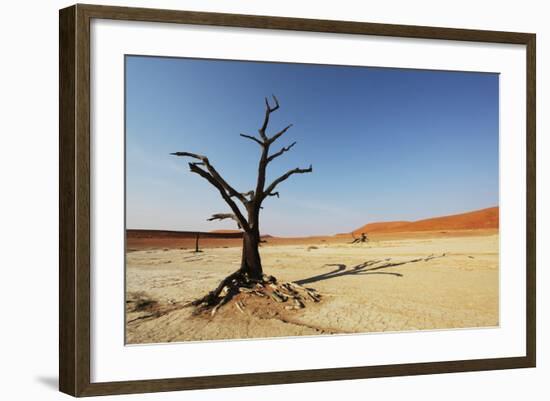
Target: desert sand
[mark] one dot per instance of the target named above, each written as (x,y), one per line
(439,279)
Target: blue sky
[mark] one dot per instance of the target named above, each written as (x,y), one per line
(385,144)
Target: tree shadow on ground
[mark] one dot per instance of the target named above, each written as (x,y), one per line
(368,267)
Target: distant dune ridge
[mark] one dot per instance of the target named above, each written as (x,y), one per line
(479,219)
(148,234)
(485,219)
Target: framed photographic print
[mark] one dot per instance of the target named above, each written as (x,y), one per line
(250,200)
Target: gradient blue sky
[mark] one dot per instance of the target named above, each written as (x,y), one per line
(385,144)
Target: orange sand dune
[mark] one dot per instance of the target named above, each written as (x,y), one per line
(151,239)
(479,219)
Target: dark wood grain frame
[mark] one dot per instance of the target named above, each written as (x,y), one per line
(74,199)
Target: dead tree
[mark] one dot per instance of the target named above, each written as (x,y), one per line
(362,239)
(250,271)
(197,236)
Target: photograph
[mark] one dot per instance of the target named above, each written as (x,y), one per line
(274,199)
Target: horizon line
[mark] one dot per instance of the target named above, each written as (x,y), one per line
(318,235)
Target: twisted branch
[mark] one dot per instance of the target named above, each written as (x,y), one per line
(214,173)
(278,134)
(204,174)
(249,194)
(280,152)
(268,111)
(252,138)
(224,216)
(285,176)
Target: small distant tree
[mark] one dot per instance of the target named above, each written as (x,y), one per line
(251,270)
(362,239)
(197,237)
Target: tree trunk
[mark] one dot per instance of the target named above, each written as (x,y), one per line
(197,242)
(251,263)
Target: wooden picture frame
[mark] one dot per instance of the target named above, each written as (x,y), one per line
(74,202)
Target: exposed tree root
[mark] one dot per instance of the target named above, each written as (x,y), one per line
(267,287)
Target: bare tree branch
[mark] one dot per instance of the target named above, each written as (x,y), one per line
(276,103)
(278,134)
(273,194)
(223,216)
(188,154)
(204,174)
(214,173)
(250,194)
(268,111)
(252,138)
(282,178)
(280,152)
